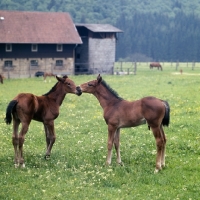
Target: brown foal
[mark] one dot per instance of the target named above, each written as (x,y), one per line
(48,74)
(26,106)
(119,113)
(1,78)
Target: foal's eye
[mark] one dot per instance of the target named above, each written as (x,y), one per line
(89,84)
(68,84)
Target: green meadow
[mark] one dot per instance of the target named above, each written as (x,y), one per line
(76,168)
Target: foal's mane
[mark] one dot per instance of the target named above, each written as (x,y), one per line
(111,90)
(51,90)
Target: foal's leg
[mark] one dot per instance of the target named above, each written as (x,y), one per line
(22,134)
(46,134)
(117,145)
(15,140)
(111,133)
(50,137)
(160,145)
(163,150)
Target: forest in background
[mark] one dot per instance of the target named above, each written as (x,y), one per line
(153,30)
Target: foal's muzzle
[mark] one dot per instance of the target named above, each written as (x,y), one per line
(78,89)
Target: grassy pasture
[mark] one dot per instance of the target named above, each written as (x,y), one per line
(76,169)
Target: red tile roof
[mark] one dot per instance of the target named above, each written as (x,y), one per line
(37,27)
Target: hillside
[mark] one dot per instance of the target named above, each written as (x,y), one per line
(104,11)
(153,30)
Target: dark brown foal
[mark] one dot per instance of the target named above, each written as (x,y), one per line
(26,106)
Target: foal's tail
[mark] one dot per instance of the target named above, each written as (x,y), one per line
(9,110)
(166,119)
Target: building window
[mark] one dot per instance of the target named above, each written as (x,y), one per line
(34,47)
(8,47)
(34,63)
(8,63)
(59,63)
(59,47)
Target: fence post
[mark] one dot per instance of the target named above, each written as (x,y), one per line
(193,65)
(29,70)
(135,68)
(177,64)
(113,69)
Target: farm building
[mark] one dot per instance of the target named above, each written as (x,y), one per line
(97,53)
(37,41)
(51,42)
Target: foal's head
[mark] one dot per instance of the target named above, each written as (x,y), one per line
(90,87)
(69,85)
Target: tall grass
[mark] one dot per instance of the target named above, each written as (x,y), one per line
(76,169)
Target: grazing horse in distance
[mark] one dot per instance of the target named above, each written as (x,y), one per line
(1,78)
(119,113)
(26,106)
(48,74)
(155,64)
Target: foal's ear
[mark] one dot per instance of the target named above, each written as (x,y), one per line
(65,76)
(99,78)
(60,79)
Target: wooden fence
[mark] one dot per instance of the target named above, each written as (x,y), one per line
(132,67)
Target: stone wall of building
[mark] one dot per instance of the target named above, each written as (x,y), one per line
(22,68)
(102,53)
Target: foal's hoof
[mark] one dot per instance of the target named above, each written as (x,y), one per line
(121,164)
(22,165)
(16,165)
(163,165)
(107,163)
(157,170)
(47,157)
